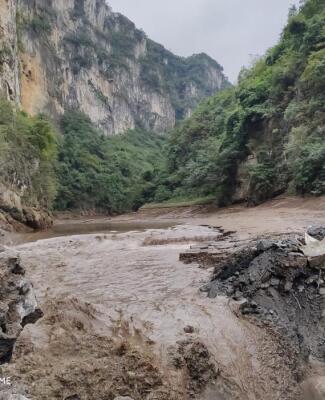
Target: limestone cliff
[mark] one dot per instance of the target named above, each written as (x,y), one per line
(9,61)
(80,54)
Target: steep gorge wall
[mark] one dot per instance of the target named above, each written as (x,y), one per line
(264,136)
(79,54)
(9,61)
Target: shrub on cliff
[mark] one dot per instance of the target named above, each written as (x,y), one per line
(28,151)
(278,104)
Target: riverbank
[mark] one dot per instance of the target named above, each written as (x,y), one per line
(124,316)
(283,214)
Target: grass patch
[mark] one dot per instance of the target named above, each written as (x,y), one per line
(180,203)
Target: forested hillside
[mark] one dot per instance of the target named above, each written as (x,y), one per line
(109,174)
(73,74)
(250,142)
(72,166)
(266,135)
(28,156)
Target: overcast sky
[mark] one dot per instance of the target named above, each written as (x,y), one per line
(230,31)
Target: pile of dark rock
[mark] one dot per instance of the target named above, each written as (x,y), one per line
(276,284)
(18,305)
(317,232)
(196,361)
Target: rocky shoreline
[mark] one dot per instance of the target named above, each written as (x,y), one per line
(234,309)
(18,305)
(275,285)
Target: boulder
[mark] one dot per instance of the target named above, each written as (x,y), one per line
(265,244)
(11,204)
(317,261)
(317,232)
(315,249)
(37,218)
(189,329)
(18,305)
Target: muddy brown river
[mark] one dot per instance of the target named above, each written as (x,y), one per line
(104,280)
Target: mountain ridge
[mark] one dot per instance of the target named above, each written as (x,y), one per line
(75,73)
(264,136)
(79,54)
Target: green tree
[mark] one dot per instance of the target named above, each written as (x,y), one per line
(274,114)
(28,151)
(104,173)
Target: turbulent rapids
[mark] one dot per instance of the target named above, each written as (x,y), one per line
(123,316)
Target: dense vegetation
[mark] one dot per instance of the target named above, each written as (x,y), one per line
(267,133)
(28,150)
(264,136)
(79,168)
(105,173)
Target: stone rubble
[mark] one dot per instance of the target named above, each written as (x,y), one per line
(18,305)
(276,284)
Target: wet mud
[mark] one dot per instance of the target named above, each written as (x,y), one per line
(125,316)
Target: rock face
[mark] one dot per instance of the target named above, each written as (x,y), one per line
(11,206)
(9,61)
(18,305)
(80,54)
(317,232)
(276,283)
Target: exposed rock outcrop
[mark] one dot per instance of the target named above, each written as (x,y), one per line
(13,211)
(80,54)
(276,283)
(18,305)
(317,232)
(9,61)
